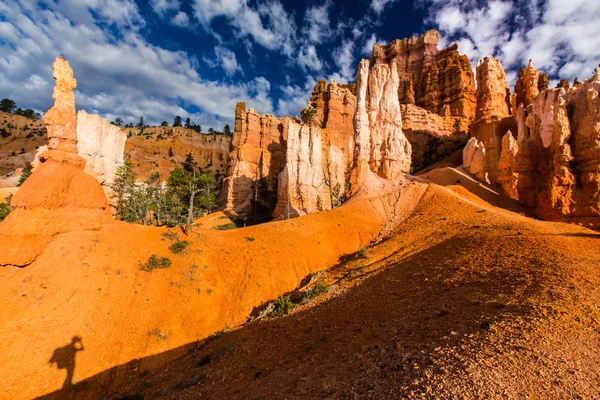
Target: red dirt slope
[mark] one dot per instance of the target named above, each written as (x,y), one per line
(462,300)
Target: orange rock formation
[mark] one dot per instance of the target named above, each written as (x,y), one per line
(59,196)
(553,163)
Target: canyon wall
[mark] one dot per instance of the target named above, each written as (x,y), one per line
(102,145)
(161,149)
(258,154)
(547,155)
(437,93)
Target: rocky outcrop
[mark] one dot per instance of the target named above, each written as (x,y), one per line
(431,136)
(440,81)
(553,166)
(493,93)
(161,149)
(59,196)
(318,153)
(380,145)
(493,113)
(102,145)
(528,86)
(258,155)
(474,159)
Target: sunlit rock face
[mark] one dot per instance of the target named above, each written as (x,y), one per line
(102,145)
(440,81)
(380,145)
(258,154)
(59,196)
(437,94)
(553,164)
(319,153)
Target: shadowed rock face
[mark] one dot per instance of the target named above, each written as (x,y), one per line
(59,196)
(553,166)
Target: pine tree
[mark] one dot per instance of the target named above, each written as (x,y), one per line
(26,174)
(177,121)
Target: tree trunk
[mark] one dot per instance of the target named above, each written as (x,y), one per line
(190,217)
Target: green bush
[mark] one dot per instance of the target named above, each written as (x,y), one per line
(178,247)
(4,210)
(225,227)
(316,291)
(283,305)
(155,263)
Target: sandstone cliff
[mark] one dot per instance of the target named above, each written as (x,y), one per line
(553,165)
(102,145)
(380,145)
(161,149)
(59,196)
(258,151)
(318,153)
(440,81)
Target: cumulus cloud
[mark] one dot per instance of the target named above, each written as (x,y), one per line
(227,60)
(161,7)
(128,77)
(181,19)
(317,26)
(308,59)
(379,5)
(562,37)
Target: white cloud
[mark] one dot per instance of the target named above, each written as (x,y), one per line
(181,19)
(379,5)
(127,77)
(317,25)
(269,25)
(295,98)
(227,60)
(368,47)
(344,59)
(308,58)
(162,7)
(562,37)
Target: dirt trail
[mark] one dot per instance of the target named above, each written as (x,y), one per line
(462,300)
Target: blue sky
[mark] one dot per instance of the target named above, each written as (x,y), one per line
(197,58)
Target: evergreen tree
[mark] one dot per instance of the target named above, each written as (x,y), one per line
(188,123)
(177,121)
(227,130)
(118,121)
(164,123)
(26,174)
(7,105)
(123,185)
(189,163)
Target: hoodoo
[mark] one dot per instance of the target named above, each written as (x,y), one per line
(59,196)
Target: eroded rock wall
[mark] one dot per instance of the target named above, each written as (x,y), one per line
(440,81)
(258,155)
(553,164)
(381,148)
(102,145)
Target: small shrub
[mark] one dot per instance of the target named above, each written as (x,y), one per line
(316,291)
(250,239)
(444,312)
(361,252)
(226,227)
(283,305)
(155,263)
(4,211)
(178,247)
